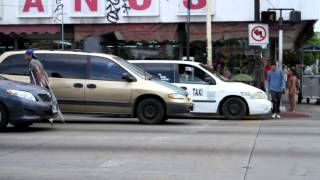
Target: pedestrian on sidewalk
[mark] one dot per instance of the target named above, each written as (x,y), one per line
(267,68)
(292,87)
(276,86)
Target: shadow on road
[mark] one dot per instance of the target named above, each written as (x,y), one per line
(26,130)
(125,122)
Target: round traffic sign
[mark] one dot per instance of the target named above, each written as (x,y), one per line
(259,33)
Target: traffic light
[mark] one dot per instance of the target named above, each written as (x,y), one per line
(295,17)
(269,17)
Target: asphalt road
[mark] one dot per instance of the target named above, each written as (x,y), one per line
(88,148)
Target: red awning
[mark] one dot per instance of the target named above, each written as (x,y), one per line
(130,32)
(29,29)
(219,30)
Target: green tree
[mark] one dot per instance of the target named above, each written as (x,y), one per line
(290,58)
(311,57)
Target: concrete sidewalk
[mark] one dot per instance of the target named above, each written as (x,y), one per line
(310,111)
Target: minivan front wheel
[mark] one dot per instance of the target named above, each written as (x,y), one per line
(150,111)
(3,118)
(234,109)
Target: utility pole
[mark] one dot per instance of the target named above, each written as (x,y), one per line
(188,30)
(209,33)
(257,10)
(62,27)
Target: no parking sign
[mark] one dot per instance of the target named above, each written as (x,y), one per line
(258,34)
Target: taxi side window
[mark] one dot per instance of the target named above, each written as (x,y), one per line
(192,75)
(164,72)
(104,69)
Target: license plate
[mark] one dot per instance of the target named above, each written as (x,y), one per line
(54,109)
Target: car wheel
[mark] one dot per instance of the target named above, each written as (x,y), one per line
(150,111)
(234,109)
(22,125)
(3,118)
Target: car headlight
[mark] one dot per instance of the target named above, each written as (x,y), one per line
(22,94)
(259,95)
(177,96)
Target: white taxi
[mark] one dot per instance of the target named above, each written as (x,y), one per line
(211,92)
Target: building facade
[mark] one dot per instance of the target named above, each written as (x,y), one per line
(149,29)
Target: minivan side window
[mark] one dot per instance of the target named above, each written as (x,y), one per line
(65,65)
(104,69)
(14,65)
(163,71)
(192,75)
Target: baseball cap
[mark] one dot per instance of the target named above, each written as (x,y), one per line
(29,52)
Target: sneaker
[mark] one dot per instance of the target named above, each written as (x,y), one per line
(278,116)
(274,115)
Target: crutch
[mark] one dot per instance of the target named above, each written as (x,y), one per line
(55,101)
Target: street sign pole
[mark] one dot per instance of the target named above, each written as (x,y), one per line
(209,34)
(280,58)
(188,31)
(280,41)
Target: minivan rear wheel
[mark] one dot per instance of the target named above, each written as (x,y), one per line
(234,108)
(150,111)
(3,118)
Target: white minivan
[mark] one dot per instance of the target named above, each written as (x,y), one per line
(211,92)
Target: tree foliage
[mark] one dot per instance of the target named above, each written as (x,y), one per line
(310,58)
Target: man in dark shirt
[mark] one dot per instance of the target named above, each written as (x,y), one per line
(38,76)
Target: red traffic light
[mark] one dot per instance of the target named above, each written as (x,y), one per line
(269,17)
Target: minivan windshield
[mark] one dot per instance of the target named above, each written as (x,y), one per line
(138,71)
(222,78)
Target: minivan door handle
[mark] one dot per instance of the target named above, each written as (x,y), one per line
(185,88)
(91,86)
(78,85)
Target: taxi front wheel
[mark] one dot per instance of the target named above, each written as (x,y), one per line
(234,109)
(150,111)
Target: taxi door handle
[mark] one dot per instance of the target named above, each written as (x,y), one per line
(78,85)
(185,88)
(91,86)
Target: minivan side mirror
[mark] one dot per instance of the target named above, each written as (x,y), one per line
(127,77)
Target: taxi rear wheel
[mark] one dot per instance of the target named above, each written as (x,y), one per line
(150,111)
(234,109)
(3,118)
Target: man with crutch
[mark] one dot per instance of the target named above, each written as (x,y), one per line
(39,77)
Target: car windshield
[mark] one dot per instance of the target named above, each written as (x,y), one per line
(219,76)
(138,71)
